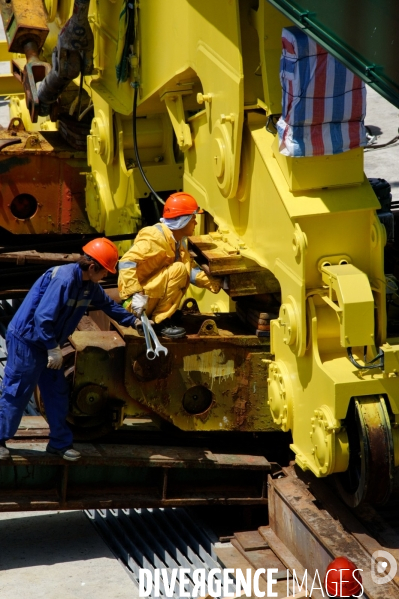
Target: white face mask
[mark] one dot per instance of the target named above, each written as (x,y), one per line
(177,223)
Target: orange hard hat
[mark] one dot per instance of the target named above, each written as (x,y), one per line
(342,578)
(104,252)
(180,204)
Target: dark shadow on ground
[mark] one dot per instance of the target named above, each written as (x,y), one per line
(48,539)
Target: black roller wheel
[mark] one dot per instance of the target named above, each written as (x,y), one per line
(369,475)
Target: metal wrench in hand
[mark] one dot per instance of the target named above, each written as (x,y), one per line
(151,355)
(148,330)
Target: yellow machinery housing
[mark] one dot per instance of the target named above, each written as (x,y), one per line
(208,78)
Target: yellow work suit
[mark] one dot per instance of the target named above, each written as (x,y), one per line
(161,268)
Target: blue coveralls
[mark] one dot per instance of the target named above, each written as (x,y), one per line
(48,315)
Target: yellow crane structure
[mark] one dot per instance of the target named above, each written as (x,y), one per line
(205,78)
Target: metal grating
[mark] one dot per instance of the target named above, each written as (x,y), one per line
(158,538)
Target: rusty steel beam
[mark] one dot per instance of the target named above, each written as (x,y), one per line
(316,528)
(127,476)
(56,244)
(33,257)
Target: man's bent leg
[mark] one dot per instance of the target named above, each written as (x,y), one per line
(176,287)
(22,371)
(55,393)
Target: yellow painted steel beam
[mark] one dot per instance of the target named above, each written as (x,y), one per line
(4,53)
(9,85)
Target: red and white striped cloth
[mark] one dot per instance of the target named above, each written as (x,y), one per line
(324,103)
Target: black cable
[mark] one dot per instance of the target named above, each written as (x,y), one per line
(122,70)
(388,143)
(303,95)
(272,120)
(136,151)
(367,365)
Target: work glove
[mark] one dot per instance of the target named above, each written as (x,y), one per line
(54,358)
(139,303)
(216,282)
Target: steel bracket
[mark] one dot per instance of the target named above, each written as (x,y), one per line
(174,104)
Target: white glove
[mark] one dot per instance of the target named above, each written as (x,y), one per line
(54,358)
(139,303)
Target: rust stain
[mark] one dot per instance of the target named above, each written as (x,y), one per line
(212,362)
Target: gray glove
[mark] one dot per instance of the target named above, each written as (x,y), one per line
(54,358)
(139,303)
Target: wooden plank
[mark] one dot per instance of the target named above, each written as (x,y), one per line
(230,557)
(251,540)
(258,558)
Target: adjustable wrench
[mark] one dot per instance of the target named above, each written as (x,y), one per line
(149,332)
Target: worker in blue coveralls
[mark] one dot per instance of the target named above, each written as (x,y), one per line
(48,315)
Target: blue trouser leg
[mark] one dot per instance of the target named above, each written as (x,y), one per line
(23,368)
(26,367)
(55,394)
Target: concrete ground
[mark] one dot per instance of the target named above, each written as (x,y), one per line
(383,120)
(46,555)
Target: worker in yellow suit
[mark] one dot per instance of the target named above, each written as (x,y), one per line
(157,270)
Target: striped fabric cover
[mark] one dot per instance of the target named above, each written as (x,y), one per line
(324,104)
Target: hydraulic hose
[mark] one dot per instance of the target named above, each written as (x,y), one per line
(72,55)
(367,365)
(136,150)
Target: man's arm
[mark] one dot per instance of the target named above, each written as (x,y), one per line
(47,312)
(101,301)
(200,277)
